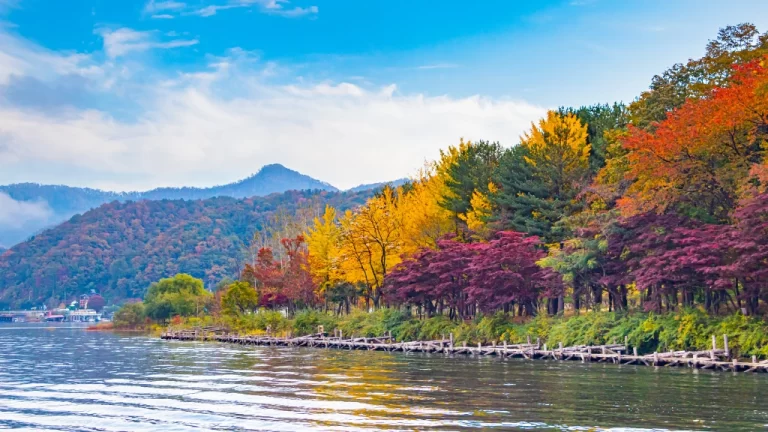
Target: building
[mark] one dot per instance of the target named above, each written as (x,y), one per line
(84,315)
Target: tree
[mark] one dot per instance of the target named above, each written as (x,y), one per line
(540,179)
(504,273)
(734,45)
(696,160)
(423,220)
(96,302)
(297,280)
(130,316)
(466,169)
(371,243)
(599,119)
(480,212)
(181,295)
(239,298)
(435,279)
(323,244)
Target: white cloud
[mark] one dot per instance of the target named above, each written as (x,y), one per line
(227,121)
(124,41)
(438,66)
(295,12)
(160,6)
(213,9)
(21,58)
(339,133)
(162,16)
(272,7)
(15,214)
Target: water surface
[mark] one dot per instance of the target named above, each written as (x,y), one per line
(64,378)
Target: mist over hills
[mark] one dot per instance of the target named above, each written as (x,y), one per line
(28,208)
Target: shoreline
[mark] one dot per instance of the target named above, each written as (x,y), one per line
(714,359)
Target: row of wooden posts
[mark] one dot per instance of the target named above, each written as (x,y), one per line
(716,359)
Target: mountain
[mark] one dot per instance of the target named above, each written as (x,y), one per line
(369,186)
(119,248)
(41,206)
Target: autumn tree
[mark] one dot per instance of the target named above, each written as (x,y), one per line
(600,119)
(735,45)
(323,244)
(696,160)
(371,243)
(423,220)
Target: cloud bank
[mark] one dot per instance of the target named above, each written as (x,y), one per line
(16,214)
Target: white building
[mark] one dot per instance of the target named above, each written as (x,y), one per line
(84,315)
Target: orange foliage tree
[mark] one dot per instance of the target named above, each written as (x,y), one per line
(698,158)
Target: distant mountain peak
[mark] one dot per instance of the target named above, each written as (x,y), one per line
(65,201)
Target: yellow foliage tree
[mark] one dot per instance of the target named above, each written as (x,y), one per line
(558,149)
(423,220)
(477,216)
(323,243)
(371,243)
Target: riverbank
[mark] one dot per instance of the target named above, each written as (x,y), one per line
(689,330)
(715,359)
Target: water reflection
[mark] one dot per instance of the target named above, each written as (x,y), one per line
(69,379)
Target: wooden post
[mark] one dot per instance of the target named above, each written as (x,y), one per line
(451,340)
(725,346)
(545,347)
(464,344)
(529,339)
(626,342)
(714,343)
(634,351)
(341,334)
(655,359)
(754,359)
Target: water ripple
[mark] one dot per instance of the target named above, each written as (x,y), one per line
(69,379)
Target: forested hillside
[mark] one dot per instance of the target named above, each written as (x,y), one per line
(121,247)
(58,203)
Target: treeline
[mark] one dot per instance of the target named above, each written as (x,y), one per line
(657,205)
(120,248)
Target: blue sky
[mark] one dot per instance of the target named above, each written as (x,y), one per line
(130,95)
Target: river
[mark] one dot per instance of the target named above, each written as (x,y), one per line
(65,378)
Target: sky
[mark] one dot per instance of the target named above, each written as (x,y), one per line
(132,95)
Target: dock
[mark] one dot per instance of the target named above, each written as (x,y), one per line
(713,359)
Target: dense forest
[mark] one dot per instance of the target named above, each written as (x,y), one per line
(119,248)
(658,205)
(62,202)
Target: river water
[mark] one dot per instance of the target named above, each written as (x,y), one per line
(64,378)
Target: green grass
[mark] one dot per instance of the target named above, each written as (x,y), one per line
(685,330)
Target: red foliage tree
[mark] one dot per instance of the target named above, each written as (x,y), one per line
(490,276)
(505,273)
